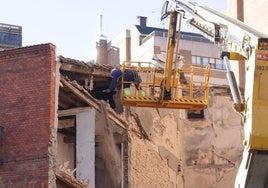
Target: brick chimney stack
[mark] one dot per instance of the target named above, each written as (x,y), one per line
(102,55)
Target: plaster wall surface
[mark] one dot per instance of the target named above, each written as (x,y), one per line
(121,42)
(85,146)
(65,152)
(254,13)
(188,153)
(213,146)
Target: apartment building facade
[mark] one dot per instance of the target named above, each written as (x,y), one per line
(148,44)
(10,36)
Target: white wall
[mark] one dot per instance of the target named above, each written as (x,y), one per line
(85,143)
(85,146)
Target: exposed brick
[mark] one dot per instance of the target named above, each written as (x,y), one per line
(147,168)
(27,107)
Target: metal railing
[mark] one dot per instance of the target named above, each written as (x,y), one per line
(189,86)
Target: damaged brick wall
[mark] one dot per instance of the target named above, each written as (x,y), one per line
(174,151)
(147,168)
(155,153)
(27,110)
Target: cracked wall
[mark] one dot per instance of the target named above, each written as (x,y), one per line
(213,146)
(180,152)
(155,157)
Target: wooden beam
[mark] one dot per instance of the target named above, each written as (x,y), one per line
(92,102)
(87,98)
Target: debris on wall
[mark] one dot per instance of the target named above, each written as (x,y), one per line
(66,178)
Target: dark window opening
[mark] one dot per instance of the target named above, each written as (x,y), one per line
(195,114)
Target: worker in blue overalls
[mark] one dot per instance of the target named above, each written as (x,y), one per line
(129,76)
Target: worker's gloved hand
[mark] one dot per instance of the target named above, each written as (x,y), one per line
(141,93)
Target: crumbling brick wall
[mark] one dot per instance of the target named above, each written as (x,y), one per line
(27,108)
(155,149)
(147,168)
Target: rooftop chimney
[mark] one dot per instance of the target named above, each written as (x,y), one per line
(101,46)
(102,36)
(142,21)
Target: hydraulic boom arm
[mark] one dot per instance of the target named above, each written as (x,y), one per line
(240,42)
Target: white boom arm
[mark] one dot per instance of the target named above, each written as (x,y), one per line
(221,29)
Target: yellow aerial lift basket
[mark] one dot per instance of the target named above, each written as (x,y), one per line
(189,87)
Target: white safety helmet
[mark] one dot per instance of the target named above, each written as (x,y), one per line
(113,70)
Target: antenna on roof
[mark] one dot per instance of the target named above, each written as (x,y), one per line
(102,36)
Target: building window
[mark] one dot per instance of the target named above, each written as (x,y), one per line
(219,64)
(214,62)
(205,60)
(193,59)
(195,114)
(198,60)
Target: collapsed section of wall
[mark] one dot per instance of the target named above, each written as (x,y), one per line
(27,118)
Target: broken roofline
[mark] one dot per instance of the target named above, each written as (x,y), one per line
(75,66)
(84,95)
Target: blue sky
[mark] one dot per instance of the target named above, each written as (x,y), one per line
(73,25)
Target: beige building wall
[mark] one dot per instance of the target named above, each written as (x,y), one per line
(122,43)
(255,13)
(213,147)
(200,48)
(135,43)
(145,51)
